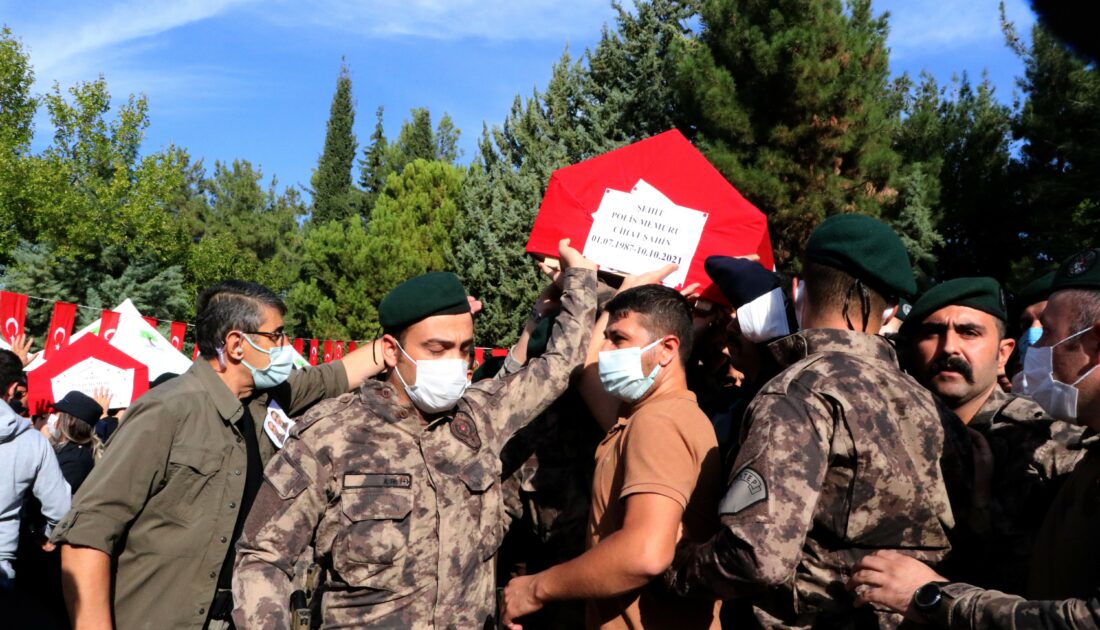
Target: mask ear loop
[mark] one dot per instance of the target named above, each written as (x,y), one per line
(221,357)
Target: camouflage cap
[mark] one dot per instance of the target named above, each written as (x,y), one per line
(434,293)
(1079,271)
(983,294)
(865,248)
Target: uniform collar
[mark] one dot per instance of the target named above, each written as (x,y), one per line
(381,399)
(793,348)
(229,406)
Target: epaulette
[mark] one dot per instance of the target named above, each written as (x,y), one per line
(324,409)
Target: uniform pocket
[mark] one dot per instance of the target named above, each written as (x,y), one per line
(192,471)
(371,550)
(485,506)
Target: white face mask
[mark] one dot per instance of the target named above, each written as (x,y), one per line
(1055,397)
(52,427)
(439,383)
(621,372)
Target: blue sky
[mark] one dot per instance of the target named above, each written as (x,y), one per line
(254,79)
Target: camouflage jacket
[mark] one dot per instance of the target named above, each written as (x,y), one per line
(404,516)
(1032,455)
(840,456)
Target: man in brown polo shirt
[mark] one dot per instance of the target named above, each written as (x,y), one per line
(657,478)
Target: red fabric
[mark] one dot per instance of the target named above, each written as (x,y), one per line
(195,356)
(479,356)
(176,335)
(338,351)
(298,345)
(352,346)
(313,352)
(40,390)
(108,324)
(152,321)
(328,351)
(671,164)
(61,327)
(13,312)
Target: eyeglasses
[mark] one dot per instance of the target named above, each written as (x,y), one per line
(276,337)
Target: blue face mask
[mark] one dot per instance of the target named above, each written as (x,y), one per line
(280,363)
(621,372)
(1028,339)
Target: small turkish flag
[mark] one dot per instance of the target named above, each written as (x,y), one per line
(196,355)
(338,353)
(13,312)
(313,352)
(108,324)
(152,321)
(299,345)
(61,326)
(176,335)
(352,346)
(328,350)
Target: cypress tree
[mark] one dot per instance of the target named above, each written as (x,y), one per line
(333,196)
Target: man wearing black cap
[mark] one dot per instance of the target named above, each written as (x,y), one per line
(397,485)
(1064,582)
(841,451)
(957,347)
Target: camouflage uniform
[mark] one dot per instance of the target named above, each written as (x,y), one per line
(405,517)
(841,456)
(1032,454)
(1064,586)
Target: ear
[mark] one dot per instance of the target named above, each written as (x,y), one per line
(390,351)
(1004,352)
(891,314)
(11,391)
(234,345)
(668,349)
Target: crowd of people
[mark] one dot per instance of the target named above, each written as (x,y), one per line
(814,452)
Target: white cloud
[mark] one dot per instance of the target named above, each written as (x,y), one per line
(917,26)
(453,19)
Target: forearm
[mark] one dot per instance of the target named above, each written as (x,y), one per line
(967,607)
(86,584)
(603,406)
(365,362)
(615,566)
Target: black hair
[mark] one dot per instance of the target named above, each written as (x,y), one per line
(11,370)
(231,305)
(663,312)
(828,288)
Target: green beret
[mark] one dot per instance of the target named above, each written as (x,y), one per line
(983,294)
(435,293)
(1036,291)
(1079,271)
(866,249)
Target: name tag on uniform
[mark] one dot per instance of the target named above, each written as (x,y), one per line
(377,480)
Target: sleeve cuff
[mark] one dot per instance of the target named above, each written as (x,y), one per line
(654,488)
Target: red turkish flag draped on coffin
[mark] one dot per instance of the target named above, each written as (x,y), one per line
(673,194)
(61,327)
(13,312)
(84,365)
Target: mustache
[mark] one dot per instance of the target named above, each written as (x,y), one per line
(953,363)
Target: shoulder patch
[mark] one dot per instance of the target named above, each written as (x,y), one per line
(748,488)
(465,431)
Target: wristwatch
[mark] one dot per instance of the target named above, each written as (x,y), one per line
(928,597)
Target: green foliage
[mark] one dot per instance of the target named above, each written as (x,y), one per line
(346,267)
(1059,166)
(334,198)
(17,108)
(790,101)
(374,168)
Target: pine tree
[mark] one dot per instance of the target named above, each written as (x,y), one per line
(374,167)
(790,101)
(504,188)
(333,195)
(1059,164)
(415,141)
